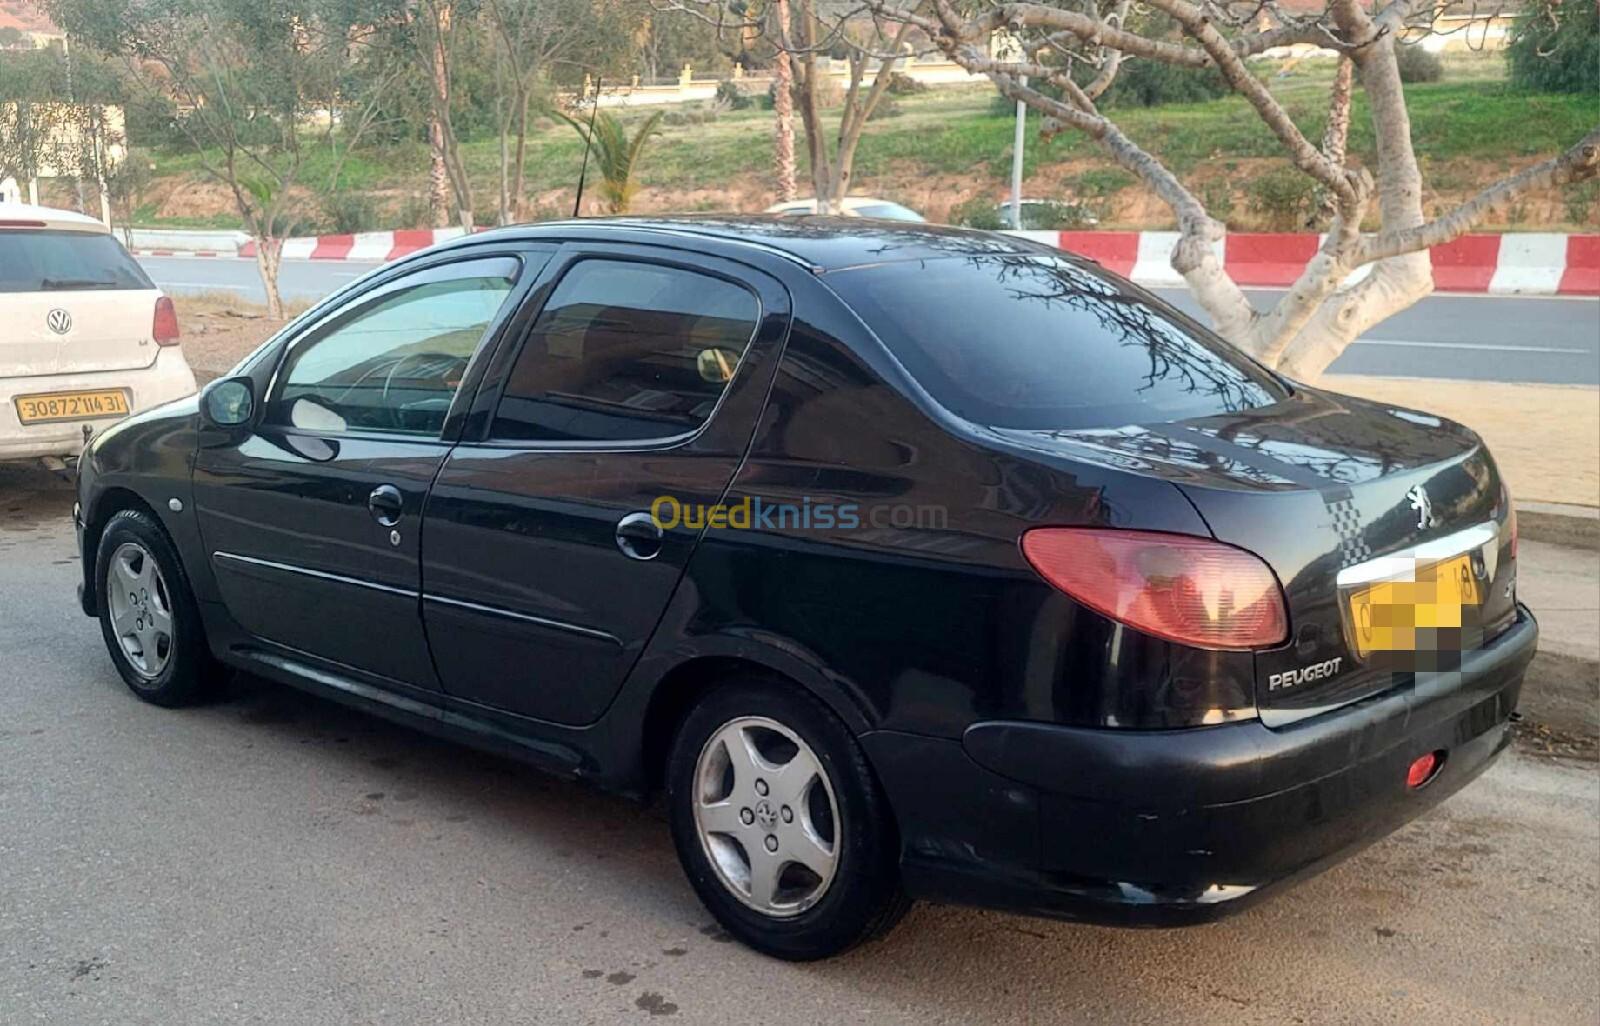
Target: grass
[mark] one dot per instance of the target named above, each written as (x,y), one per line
(1473,120)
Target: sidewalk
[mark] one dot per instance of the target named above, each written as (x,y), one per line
(1545,438)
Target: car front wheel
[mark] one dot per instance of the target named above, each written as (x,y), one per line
(779,824)
(148,615)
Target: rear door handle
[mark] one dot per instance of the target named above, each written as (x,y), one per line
(639,536)
(386,504)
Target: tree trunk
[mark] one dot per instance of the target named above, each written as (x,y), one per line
(438,168)
(269,258)
(438,177)
(783,109)
(519,160)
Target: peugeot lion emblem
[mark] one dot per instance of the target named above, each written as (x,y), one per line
(59,320)
(1424,507)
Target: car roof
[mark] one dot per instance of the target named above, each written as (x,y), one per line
(27,215)
(823,244)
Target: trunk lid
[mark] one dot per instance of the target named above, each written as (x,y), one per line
(72,301)
(1335,493)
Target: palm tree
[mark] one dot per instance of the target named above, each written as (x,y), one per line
(615,156)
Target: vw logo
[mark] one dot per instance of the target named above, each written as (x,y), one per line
(59,320)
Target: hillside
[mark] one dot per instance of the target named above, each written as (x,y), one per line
(937,150)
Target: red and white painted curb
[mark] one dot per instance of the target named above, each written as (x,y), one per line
(1532,263)
(368,247)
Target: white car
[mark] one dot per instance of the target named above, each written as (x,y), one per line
(850,206)
(85,337)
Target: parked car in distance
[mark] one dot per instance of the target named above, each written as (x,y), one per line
(850,206)
(88,338)
(904,561)
(1046,215)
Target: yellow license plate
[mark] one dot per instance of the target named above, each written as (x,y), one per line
(41,409)
(1385,617)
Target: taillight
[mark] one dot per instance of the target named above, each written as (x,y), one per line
(1189,590)
(165,328)
(1511,527)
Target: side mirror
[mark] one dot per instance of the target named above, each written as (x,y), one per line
(228,403)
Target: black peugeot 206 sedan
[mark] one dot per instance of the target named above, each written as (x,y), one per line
(906,562)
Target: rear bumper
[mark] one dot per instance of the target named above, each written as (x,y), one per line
(1173,827)
(167,377)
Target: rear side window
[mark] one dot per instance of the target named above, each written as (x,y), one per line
(1032,342)
(626,351)
(35,260)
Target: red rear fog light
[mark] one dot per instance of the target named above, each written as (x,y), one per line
(1423,769)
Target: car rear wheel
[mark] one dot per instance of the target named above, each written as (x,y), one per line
(148,615)
(779,824)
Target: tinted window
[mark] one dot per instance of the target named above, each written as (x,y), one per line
(626,351)
(1034,342)
(60,261)
(396,365)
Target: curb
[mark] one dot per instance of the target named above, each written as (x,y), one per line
(1523,263)
(1559,523)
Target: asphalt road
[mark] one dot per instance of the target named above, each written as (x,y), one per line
(273,858)
(1484,338)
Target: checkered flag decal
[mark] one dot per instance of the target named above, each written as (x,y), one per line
(1353,548)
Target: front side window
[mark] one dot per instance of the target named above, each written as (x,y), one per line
(626,351)
(396,365)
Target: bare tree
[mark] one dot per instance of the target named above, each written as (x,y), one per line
(1077,48)
(531,37)
(435,32)
(260,86)
(808,33)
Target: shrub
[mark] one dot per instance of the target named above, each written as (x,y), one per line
(829,93)
(1058,215)
(978,212)
(886,108)
(1218,200)
(1418,65)
(345,213)
(901,84)
(731,97)
(414,212)
(1555,47)
(1146,83)
(1283,198)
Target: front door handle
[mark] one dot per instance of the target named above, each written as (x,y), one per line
(639,536)
(386,504)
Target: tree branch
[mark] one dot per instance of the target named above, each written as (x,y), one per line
(1578,164)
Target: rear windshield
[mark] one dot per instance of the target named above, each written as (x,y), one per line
(33,260)
(1032,342)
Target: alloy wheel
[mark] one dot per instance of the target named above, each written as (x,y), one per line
(766,816)
(141,609)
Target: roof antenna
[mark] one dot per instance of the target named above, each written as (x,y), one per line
(588,143)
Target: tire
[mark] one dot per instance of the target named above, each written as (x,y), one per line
(837,883)
(164,659)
